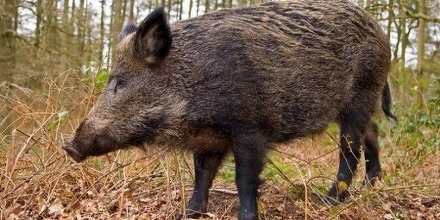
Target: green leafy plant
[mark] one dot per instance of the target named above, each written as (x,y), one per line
(101,78)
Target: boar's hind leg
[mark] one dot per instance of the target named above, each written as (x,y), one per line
(353,125)
(372,163)
(206,165)
(249,150)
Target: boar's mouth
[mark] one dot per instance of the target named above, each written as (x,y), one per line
(73,153)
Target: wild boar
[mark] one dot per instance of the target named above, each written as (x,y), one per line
(241,81)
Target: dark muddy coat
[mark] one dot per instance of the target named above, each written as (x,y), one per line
(242,80)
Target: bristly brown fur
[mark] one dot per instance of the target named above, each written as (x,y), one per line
(291,67)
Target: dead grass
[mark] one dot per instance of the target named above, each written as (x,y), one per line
(38,180)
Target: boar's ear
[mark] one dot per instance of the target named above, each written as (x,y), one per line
(126,30)
(153,37)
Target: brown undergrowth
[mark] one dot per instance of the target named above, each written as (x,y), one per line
(38,180)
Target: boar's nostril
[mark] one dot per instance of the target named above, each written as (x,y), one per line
(73,153)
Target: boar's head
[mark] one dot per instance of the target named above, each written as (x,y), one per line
(137,101)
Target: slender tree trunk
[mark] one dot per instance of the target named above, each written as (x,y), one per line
(66,34)
(207,2)
(65,18)
(117,20)
(8,39)
(73,39)
(169,4)
(38,16)
(404,40)
(180,9)
(110,36)
(124,11)
(421,39)
(190,8)
(88,23)
(101,34)
(8,15)
(51,34)
(131,14)
(390,18)
(81,31)
(136,15)
(47,22)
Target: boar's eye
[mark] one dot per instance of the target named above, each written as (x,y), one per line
(118,84)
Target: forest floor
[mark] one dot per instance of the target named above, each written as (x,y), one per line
(156,184)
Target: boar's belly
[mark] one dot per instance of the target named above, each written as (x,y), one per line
(198,140)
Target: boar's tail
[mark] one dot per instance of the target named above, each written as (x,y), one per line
(386,102)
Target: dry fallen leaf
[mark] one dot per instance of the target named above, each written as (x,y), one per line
(12,210)
(55,209)
(388,216)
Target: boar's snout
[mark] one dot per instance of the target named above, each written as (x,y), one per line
(89,141)
(73,153)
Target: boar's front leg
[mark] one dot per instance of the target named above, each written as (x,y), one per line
(206,165)
(249,150)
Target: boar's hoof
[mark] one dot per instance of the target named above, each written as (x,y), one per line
(336,196)
(189,213)
(73,153)
(372,177)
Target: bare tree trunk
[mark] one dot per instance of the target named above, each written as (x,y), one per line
(8,15)
(390,18)
(81,31)
(51,25)
(180,9)
(421,39)
(88,46)
(117,19)
(404,40)
(38,23)
(110,36)
(8,39)
(73,30)
(131,14)
(169,8)
(190,8)
(66,34)
(124,11)
(207,2)
(101,34)
(65,18)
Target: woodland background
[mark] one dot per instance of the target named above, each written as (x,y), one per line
(54,59)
